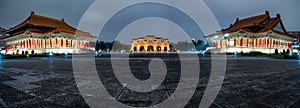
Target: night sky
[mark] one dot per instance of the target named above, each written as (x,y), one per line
(14,12)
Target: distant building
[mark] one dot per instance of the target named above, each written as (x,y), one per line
(295,34)
(259,33)
(150,44)
(41,34)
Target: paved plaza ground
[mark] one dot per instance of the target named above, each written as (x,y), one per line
(249,82)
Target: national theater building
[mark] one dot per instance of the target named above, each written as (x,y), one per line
(40,34)
(150,44)
(259,33)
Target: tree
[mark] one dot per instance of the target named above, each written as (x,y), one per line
(200,45)
(276,51)
(97,47)
(288,51)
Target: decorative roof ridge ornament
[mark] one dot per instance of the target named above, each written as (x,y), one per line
(267,12)
(237,19)
(278,15)
(32,13)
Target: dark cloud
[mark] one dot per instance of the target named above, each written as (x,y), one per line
(14,12)
(226,11)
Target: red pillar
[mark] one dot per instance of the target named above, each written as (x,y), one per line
(271,42)
(241,42)
(261,43)
(39,43)
(256,42)
(78,44)
(267,43)
(290,45)
(66,43)
(30,43)
(264,43)
(42,43)
(61,42)
(234,42)
(50,43)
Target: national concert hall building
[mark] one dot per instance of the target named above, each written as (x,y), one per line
(150,43)
(41,34)
(259,33)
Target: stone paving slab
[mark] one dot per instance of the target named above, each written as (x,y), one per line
(249,83)
(21,85)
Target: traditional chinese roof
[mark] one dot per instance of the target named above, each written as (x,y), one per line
(46,25)
(149,36)
(257,24)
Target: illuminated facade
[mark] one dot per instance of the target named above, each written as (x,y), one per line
(40,34)
(150,44)
(259,33)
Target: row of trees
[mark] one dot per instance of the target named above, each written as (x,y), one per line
(117,46)
(111,46)
(190,46)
